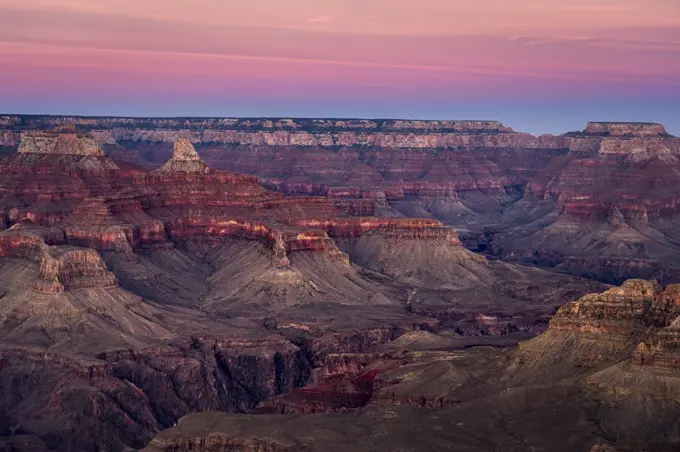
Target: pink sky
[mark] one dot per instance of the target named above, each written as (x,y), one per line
(369,50)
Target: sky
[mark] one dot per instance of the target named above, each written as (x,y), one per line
(540,66)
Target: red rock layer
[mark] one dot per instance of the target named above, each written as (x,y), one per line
(398,228)
(113,208)
(61,268)
(344,382)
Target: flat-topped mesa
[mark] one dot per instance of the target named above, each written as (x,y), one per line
(302,124)
(460,126)
(184,159)
(60,144)
(286,132)
(626,129)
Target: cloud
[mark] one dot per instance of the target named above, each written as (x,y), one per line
(319,20)
(610,8)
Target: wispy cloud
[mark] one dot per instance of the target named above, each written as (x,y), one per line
(609,8)
(319,20)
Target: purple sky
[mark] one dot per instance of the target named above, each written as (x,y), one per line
(537,65)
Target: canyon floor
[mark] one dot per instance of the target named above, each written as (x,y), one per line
(285,285)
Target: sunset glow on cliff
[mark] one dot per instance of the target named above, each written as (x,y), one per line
(420,58)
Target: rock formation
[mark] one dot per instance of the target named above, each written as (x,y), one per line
(184,159)
(146,295)
(329,278)
(626,129)
(602,328)
(612,402)
(599,203)
(60,144)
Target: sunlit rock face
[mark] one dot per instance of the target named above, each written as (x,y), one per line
(184,159)
(60,144)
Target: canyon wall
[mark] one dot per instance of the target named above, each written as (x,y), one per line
(327,132)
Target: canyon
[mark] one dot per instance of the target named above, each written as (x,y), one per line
(302,284)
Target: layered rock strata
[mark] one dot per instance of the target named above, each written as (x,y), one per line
(599,203)
(602,328)
(330,133)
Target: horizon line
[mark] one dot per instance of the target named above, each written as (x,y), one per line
(341,118)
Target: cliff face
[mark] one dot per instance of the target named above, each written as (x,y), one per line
(661,349)
(326,132)
(60,144)
(127,396)
(620,347)
(493,184)
(116,209)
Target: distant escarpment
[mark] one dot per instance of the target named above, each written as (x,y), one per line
(600,203)
(626,129)
(326,132)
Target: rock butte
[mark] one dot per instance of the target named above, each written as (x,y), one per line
(318,266)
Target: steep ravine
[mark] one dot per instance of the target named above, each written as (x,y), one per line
(126,397)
